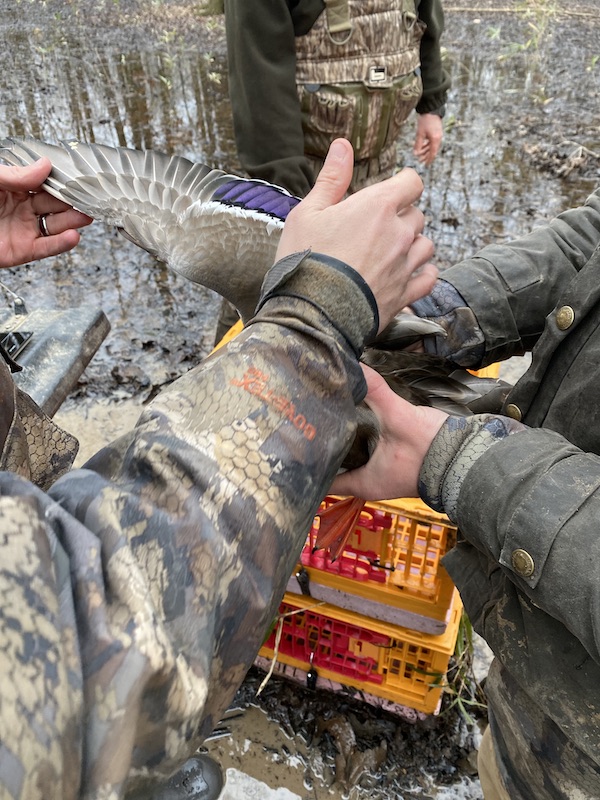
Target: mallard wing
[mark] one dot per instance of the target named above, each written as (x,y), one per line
(214,228)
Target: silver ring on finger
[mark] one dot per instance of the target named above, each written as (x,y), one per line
(43,226)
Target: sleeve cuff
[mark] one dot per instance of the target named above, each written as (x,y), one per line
(339,291)
(464,343)
(459,443)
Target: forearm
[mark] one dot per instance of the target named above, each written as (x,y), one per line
(530,502)
(180,537)
(137,592)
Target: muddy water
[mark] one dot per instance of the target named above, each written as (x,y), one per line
(522,143)
(113,75)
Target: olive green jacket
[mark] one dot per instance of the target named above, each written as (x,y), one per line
(526,498)
(262,83)
(136,591)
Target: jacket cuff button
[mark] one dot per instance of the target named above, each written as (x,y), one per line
(522,563)
(514,412)
(565,316)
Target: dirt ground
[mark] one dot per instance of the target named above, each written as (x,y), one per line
(522,142)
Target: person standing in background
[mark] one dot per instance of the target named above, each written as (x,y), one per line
(304,72)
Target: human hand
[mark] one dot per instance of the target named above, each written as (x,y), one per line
(406,433)
(22,205)
(377,231)
(430,132)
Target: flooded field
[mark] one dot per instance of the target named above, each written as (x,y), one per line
(522,143)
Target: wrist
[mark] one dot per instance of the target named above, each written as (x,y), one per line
(440,111)
(464,343)
(338,290)
(459,443)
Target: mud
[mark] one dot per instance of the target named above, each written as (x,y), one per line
(522,143)
(319,746)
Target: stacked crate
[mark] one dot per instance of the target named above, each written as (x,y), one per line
(383,618)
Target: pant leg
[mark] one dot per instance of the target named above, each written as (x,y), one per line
(489,774)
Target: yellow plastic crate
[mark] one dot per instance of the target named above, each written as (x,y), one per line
(493,371)
(390,568)
(395,664)
(231,334)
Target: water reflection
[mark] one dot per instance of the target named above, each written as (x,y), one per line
(166,98)
(160,96)
(483,189)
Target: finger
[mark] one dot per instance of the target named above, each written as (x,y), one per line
(406,186)
(421,251)
(414,218)
(334,178)
(63,221)
(46,246)
(44,203)
(348,484)
(419,141)
(420,284)
(435,149)
(25,179)
(423,154)
(429,156)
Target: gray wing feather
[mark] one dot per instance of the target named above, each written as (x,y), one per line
(164,204)
(118,172)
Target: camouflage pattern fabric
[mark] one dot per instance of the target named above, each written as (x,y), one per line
(31,444)
(361,84)
(136,592)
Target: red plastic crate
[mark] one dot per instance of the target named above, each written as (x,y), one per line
(398,664)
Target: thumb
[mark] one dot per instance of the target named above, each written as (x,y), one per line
(334,178)
(27,178)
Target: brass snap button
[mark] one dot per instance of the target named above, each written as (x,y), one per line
(514,412)
(565,317)
(522,563)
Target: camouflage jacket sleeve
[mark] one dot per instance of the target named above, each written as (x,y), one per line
(528,504)
(137,591)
